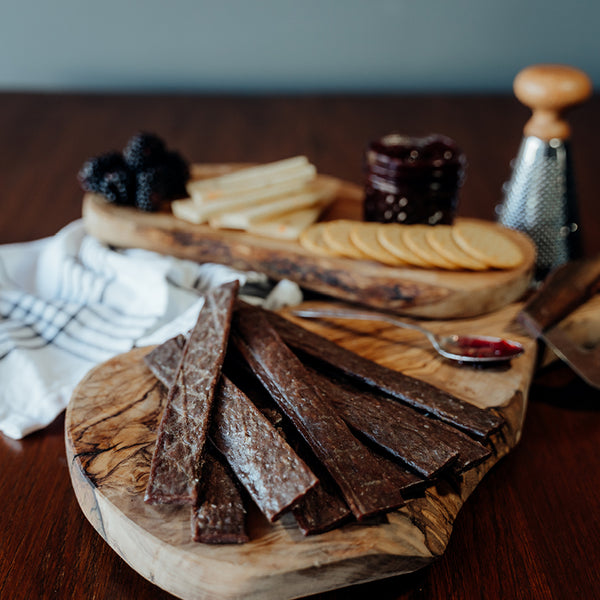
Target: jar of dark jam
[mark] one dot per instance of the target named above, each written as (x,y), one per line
(413,179)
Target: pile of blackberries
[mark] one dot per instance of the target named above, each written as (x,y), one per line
(145,175)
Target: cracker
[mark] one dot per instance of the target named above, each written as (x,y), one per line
(364,237)
(441,240)
(391,237)
(487,243)
(312,240)
(415,237)
(336,234)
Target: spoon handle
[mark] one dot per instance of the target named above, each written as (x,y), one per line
(349,313)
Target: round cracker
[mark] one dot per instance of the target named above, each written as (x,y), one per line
(336,234)
(441,240)
(415,237)
(488,243)
(312,240)
(391,237)
(364,237)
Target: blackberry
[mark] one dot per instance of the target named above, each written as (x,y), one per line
(176,174)
(118,186)
(144,175)
(150,189)
(144,150)
(93,170)
(109,175)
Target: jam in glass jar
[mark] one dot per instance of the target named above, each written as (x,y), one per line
(413,179)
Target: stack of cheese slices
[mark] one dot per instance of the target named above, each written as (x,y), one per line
(278,199)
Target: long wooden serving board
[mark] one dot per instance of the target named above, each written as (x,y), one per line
(110,432)
(417,292)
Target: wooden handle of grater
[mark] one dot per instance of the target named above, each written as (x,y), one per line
(549,90)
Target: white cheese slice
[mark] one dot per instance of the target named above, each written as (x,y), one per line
(248,178)
(292,181)
(288,226)
(314,194)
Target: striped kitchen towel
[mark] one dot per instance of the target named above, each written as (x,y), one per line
(68,303)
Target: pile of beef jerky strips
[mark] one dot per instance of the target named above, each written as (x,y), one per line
(260,408)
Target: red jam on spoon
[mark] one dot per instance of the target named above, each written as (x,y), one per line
(482,347)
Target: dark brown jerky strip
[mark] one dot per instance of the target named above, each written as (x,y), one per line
(414,392)
(174,472)
(164,360)
(272,473)
(367,486)
(470,452)
(219,515)
(427,445)
(322,508)
(400,430)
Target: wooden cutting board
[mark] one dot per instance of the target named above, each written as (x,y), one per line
(110,432)
(417,292)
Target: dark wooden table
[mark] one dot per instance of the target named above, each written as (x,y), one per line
(530,530)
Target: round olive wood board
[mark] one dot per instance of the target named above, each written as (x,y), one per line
(430,293)
(110,432)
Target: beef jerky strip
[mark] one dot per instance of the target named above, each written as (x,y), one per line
(272,473)
(470,451)
(219,515)
(427,445)
(367,487)
(402,431)
(414,392)
(322,508)
(164,360)
(176,462)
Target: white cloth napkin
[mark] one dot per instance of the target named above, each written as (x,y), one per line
(68,303)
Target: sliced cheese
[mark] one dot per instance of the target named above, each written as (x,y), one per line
(249,177)
(315,194)
(288,226)
(189,210)
(293,181)
(186,209)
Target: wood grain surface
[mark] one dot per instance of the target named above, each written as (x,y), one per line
(110,432)
(431,293)
(547,545)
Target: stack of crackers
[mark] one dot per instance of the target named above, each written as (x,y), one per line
(466,245)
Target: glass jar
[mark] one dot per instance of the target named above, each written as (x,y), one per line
(413,179)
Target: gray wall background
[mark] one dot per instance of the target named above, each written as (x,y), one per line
(255,46)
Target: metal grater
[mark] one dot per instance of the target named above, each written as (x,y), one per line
(539,198)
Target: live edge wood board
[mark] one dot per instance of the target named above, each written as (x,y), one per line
(110,434)
(412,291)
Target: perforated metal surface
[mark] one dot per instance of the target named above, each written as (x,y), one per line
(539,200)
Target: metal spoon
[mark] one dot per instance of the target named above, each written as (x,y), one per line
(464,348)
